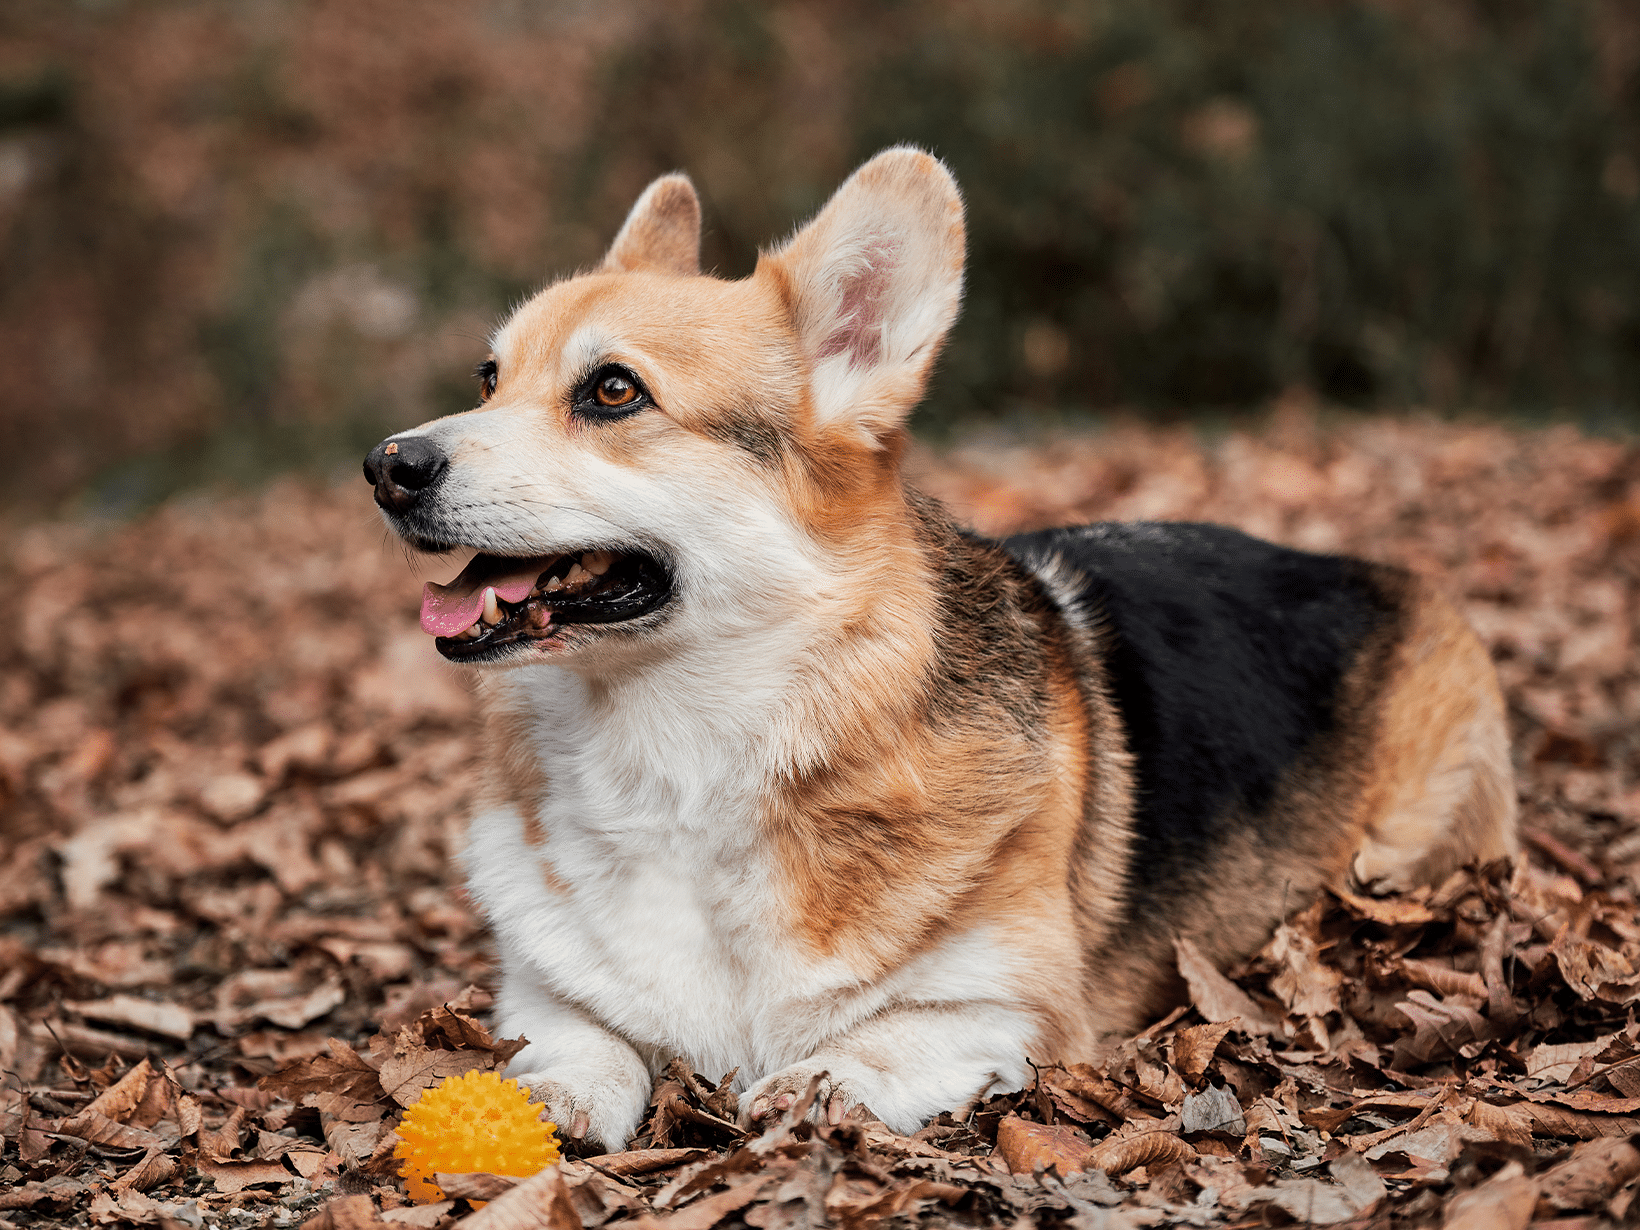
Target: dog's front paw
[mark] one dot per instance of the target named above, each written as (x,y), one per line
(839,1092)
(587,1111)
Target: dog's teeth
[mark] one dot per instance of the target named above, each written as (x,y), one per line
(492,612)
(553,584)
(597,562)
(577,576)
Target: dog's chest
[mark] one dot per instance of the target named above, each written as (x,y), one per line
(643,894)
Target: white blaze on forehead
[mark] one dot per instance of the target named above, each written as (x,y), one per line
(585,347)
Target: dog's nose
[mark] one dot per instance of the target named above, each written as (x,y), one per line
(400,470)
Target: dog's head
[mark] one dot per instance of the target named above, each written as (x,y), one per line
(661,454)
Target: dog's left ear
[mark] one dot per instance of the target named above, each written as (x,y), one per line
(662,233)
(874,282)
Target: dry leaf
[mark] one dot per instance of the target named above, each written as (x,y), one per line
(1306,985)
(1216,997)
(170,1020)
(1308,1201)
(124,1095)
(1024,1146)
(1503,1202)
(231,1177)
(541,1202)
(475,1185)
(1212,1110)
(127,1208)
(341,1071)
(96,1129)
(155,1169)
(1512,1124)
(1390,911)
(405,1076)
(643,1161)
(1194,1048)
(1556,1063)
(346,1213)
(420,1215)
(1590,1177)
(1150,1149)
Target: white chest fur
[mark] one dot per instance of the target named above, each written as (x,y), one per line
(651,903)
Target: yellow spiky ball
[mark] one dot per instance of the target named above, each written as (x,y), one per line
(472,1122)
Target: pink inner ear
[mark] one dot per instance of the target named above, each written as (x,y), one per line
(859,331)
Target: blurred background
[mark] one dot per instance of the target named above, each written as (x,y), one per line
(238,237)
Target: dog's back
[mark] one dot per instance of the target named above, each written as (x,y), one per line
(1295,721)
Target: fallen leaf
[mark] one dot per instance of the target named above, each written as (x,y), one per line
(1194,1048)
(1303,982)
(1390,911)
(1212,1110)
(1590,1177)
(97,1129)
(230,1177)
(1557,1063)
(1216,997)
(1117,1156)
(1438,1142)
(124,1095)
(420,1215)
(155,1169)
(1503,1202)
(542,1202)
(1024,1146)
(128,1208)
(346,1213)
(475,1185)
(1309,1201)
(642,1161)
(170,1020)
(404,1077)
(1361,1184)
(341,1071)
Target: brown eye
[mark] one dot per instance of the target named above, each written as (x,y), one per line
(486,372)
(608,393)
(615,390)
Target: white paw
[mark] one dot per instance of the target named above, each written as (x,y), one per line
(774,1095)
(592,1111)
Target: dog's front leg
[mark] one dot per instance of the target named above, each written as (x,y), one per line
(592,1083)
(905,1065)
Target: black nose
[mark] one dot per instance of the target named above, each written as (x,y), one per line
(400,470)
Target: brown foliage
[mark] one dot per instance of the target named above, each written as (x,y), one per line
(231,777)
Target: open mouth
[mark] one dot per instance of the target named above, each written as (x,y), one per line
(499,600)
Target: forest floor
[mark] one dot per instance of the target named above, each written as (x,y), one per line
(233,947)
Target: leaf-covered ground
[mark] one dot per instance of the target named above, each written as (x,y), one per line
(232,948)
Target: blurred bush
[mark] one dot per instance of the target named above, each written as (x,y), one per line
(235,236)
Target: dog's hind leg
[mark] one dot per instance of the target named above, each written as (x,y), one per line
(1440,789)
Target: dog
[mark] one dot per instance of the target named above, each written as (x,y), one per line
(794,778)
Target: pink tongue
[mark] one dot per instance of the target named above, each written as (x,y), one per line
(447,610)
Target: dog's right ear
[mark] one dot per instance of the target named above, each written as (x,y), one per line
(662,233)
(873,284)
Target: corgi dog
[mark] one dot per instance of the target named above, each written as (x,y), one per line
(792,777)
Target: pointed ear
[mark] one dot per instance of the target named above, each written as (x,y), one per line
(662,233)
(874,282)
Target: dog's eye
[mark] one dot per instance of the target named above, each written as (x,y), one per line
(610,392)
(486,372)
(615,390)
